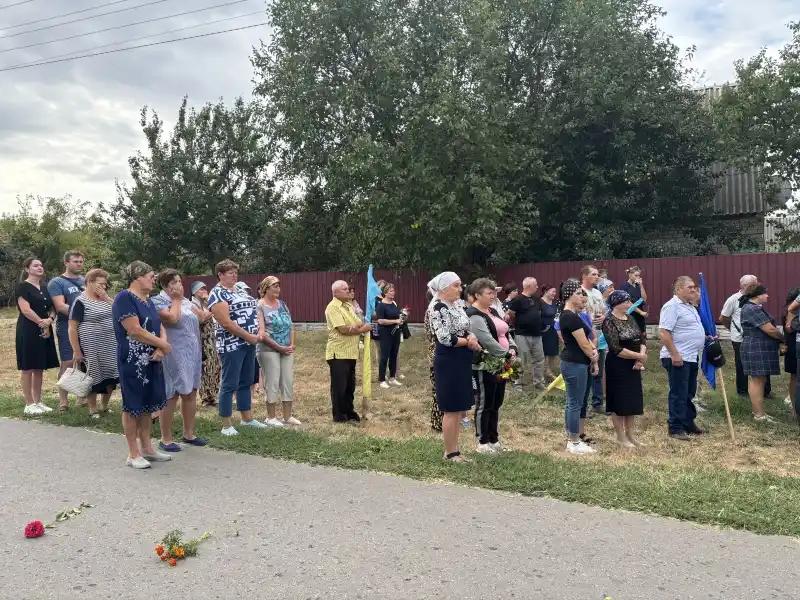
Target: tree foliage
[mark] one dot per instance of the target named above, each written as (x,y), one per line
(473,132)
(199,193)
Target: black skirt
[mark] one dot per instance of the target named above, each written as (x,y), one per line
(34,353)
(624,396)
(790,358)
(453,373)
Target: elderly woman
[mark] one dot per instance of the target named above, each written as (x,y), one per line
(390,321)
(491,330)
(452,360)
(276,352)
(627,355)
(760,346)
(183,366)
(141,346)
(578,361)
(91,335)
(209,380)
(36,348)
(237,335)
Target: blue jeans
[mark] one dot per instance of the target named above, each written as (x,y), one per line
(682,388)
(597,381)
(238,371)
(576,378)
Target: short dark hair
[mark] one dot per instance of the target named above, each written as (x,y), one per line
(166,277)
(480,284)
(70,254)
(224,266)
(588,269)
(510,287)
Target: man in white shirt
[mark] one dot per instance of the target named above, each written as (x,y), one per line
(596,308)
(731,317)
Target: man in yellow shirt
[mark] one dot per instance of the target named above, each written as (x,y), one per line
(341,351)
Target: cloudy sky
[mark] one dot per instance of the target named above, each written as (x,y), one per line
(69,127)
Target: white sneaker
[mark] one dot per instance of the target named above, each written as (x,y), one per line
(292,421)
(32,410)
(229,431)
(485,449)
(138,463)
(254,423)
(394,381)
(787,401)
(498,447)
(765,418)
(158,456)
(580,448)
(274,422)
(43,407)
(384,385)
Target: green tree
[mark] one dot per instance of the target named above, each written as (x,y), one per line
(467,132)
(200,193)
(759,122)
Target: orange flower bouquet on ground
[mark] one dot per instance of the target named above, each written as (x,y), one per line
(173,548)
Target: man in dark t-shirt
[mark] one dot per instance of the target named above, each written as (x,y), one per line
(526,314)
(64,289)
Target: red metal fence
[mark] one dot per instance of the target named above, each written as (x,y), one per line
(308,293)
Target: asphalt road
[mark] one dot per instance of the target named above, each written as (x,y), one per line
(286,531)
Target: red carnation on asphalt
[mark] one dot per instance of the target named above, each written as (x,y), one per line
(34,529)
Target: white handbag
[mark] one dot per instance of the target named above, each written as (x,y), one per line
(77,382)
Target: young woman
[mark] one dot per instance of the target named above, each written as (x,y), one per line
(760,346)
(141,346)
(91,335)
(492,333)
(452,360)
(627,355)
(276,352)
(578,361)
(35,345)
(388,316)
(790,361)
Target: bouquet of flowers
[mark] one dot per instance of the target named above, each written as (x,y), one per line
(173,548)
(403,326)
(505,368)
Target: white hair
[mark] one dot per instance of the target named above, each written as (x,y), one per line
(528,281)
(747,280)
(336,284)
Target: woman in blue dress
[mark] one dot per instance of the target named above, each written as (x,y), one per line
(183,367)
(141,346)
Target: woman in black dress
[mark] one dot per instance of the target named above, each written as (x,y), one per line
(790,359)
(452,359)
(36,348)
(627,355)
(549,333)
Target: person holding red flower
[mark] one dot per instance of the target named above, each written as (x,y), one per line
(492,333)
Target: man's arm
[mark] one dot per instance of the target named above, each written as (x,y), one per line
(669,343)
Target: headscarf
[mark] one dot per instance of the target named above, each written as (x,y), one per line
(604,284)
(618,297)
(440,283)
(135,270)
(569,287)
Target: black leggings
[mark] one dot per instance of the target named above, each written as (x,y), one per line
(389,348)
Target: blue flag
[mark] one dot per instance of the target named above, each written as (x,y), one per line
(373,291)
(707,318)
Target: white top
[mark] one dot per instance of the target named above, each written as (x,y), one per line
(732,310)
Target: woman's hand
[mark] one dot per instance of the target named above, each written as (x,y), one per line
(595,368)
(77,357)
(46,322)
(157,356)
(512,353)
(472,343)
(165,348)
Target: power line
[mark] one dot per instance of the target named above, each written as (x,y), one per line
(15,4)
(153,35)
(110,12)
(74,12)
(190,37)
(80,35)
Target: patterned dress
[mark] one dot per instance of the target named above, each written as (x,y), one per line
(209,381)
(184,365)
(760,352)
(436,414)
(141,379)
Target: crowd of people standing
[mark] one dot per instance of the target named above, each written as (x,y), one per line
(164,350)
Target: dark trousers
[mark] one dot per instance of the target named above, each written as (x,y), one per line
(389,346)
(741,378)
(682,388)
(343,388)
(489,394)
(596,381)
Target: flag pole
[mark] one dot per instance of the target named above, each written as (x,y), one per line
(727,407)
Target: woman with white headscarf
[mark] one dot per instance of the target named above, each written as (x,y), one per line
(452,359)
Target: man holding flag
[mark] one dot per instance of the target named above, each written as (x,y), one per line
(683,338)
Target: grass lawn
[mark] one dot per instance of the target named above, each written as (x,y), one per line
(751,484)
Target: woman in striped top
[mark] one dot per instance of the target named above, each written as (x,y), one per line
(91,335)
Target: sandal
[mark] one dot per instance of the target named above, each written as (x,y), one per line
(63,409)
(455,457)
(586,440)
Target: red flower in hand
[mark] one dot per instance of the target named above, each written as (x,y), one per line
(34,529)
